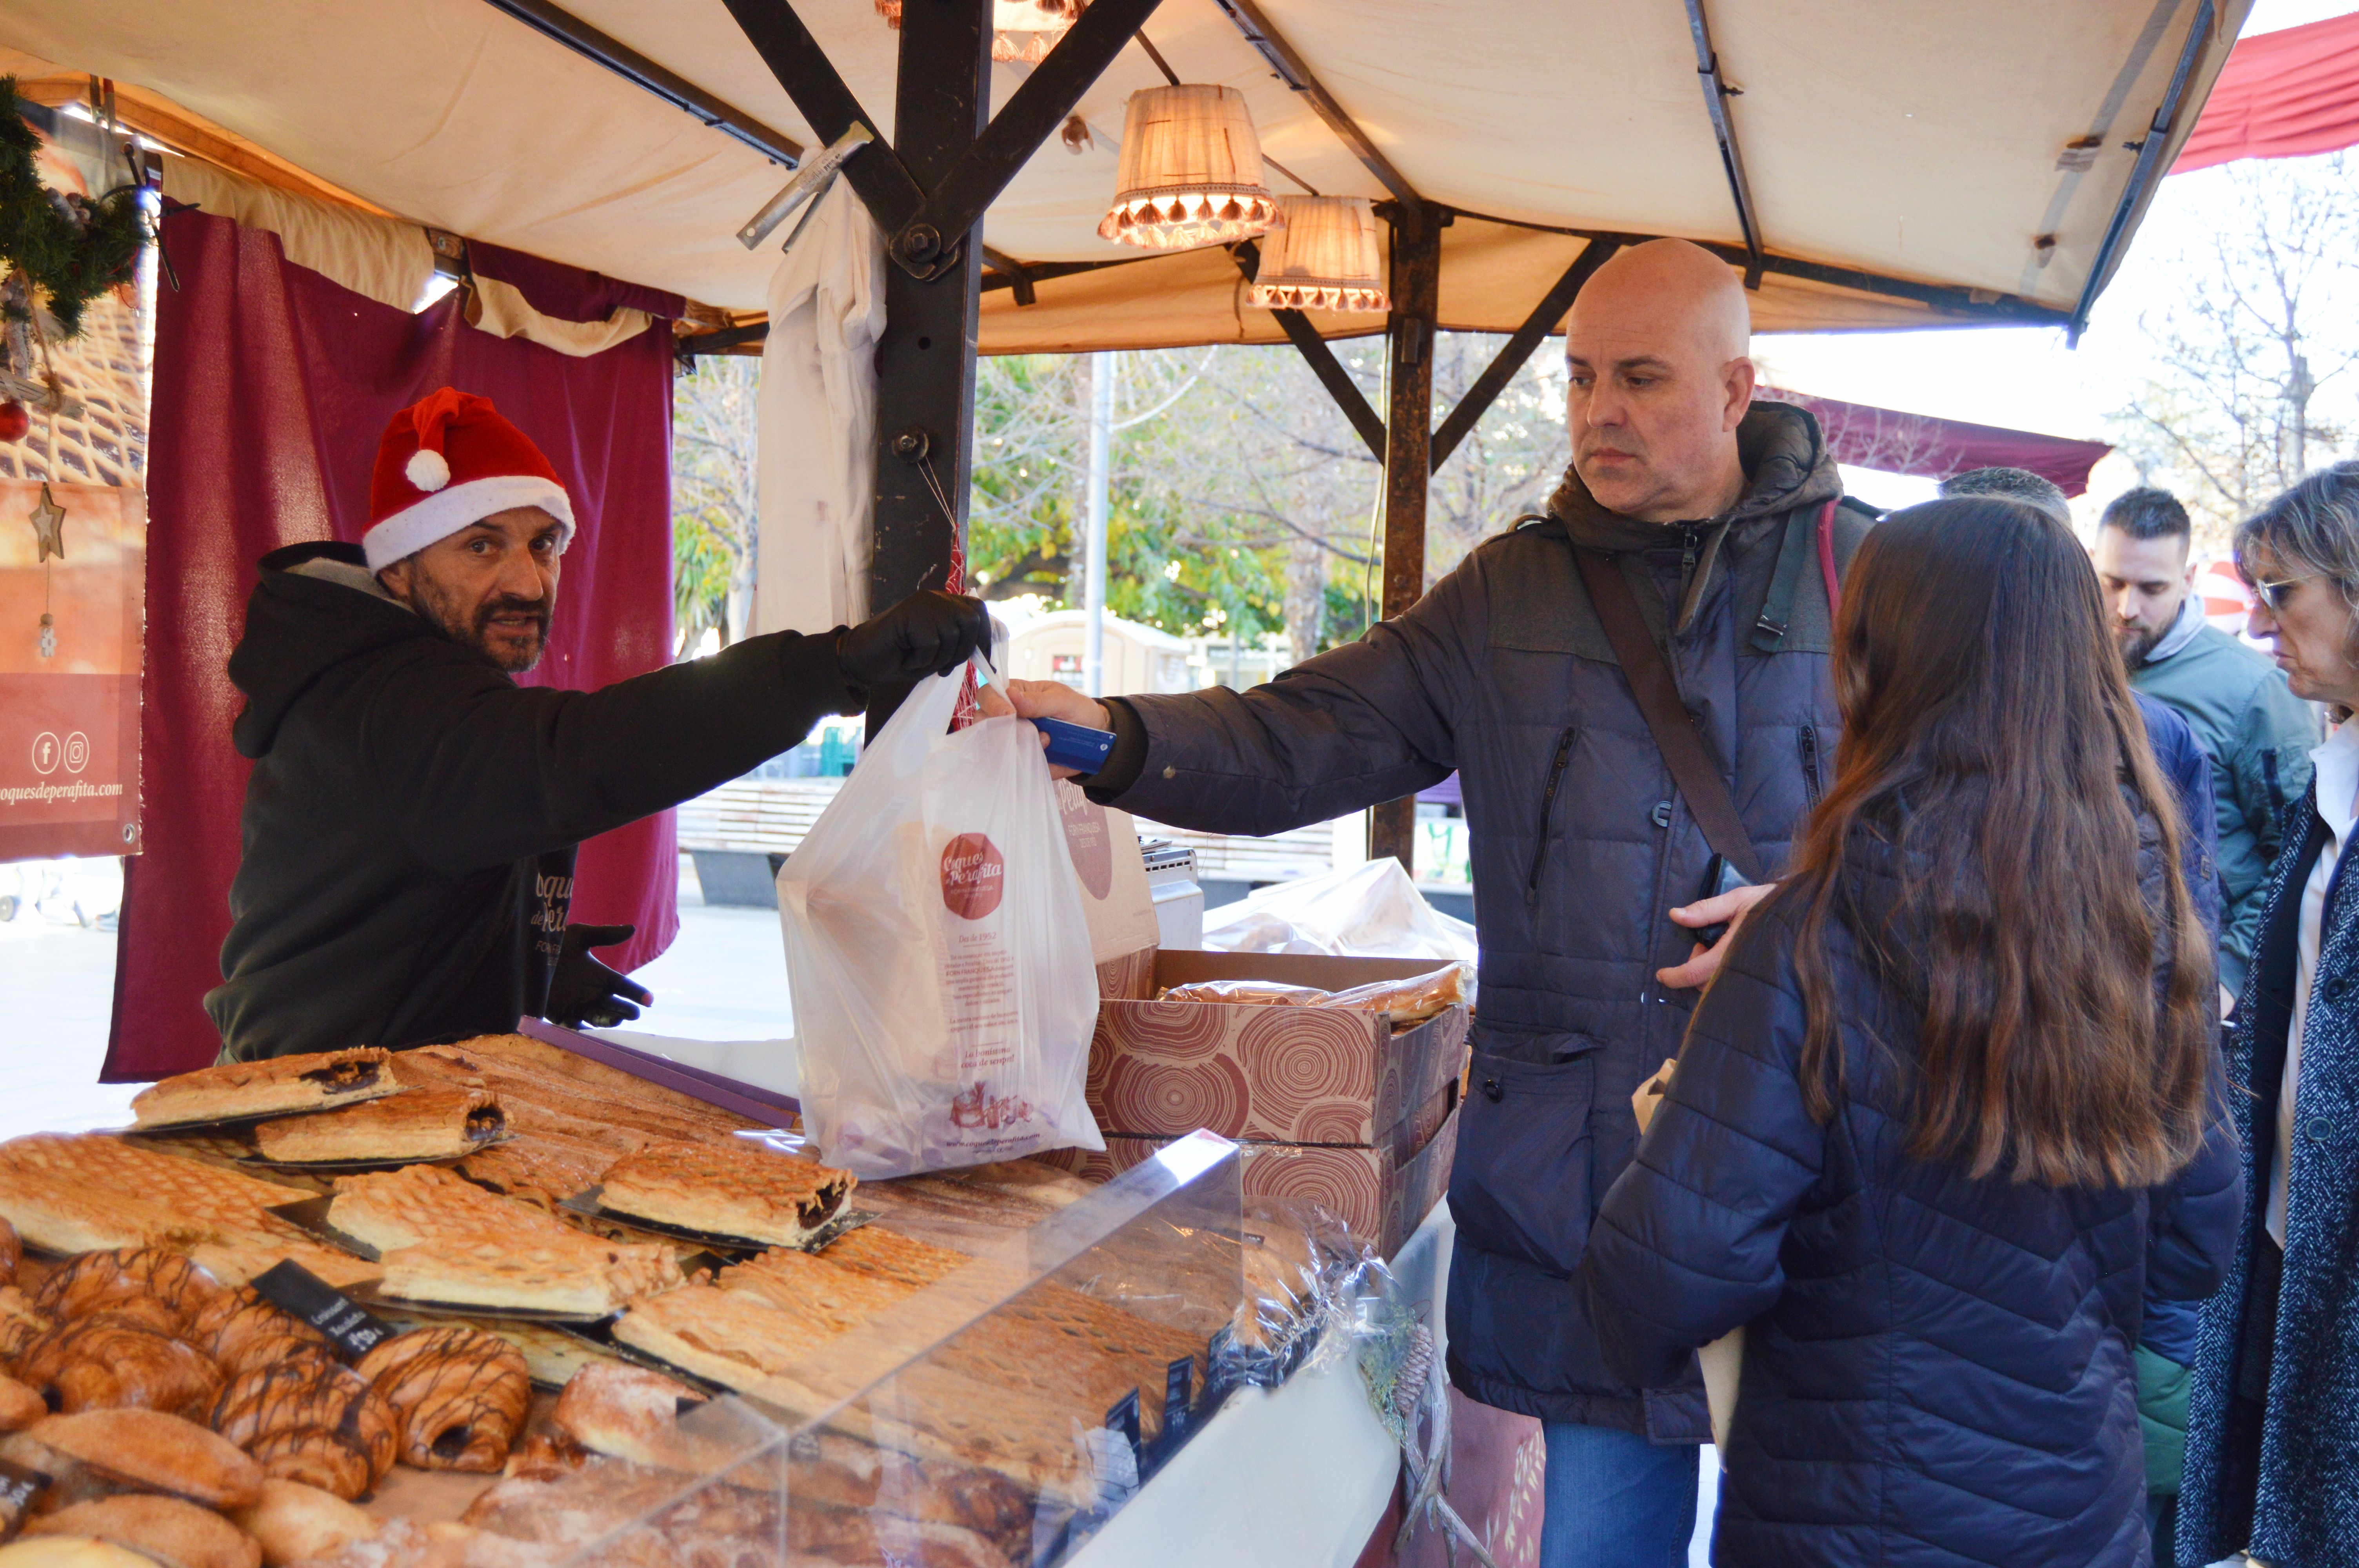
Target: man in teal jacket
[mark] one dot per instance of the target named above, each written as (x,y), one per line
(2258,733)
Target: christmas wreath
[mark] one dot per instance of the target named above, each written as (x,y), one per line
(71,249)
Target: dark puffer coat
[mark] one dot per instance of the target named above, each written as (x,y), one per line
(1938,1369)
(1503,673)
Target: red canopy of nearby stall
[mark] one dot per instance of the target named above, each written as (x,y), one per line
(1919,445)
(2283,94)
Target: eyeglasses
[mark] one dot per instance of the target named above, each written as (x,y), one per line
(2273,595)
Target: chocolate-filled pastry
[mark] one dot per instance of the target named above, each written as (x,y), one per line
(416,1124)
(283,1083)
(95,1281)
(12,1253)
(462,1395)
(108,1361)
(727,1189)
(241,1332)
(313,1421)
(174,1533)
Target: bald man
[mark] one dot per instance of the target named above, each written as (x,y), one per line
(1590,870)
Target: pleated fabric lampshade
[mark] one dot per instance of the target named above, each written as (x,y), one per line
(1021,30)
(1192,171)
(1325,257)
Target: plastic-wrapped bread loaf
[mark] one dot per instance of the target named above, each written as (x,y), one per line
(1410,1000)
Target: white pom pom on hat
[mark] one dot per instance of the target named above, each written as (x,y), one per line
(427,469)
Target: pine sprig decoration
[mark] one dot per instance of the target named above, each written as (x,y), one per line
(73,250)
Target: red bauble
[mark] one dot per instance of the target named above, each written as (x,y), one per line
(14,421)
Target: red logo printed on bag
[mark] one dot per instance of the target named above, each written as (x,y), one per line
(973,874)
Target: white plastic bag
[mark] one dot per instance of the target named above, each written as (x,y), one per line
(1370,911)
(939,954)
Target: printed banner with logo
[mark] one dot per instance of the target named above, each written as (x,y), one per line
(74,551)
(72,564)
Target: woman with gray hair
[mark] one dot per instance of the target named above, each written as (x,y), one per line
(2273,1433)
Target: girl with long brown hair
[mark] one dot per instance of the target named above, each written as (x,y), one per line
(1952,1102)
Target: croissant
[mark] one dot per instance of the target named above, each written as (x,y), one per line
(12,1253)
(93,1281)
(242,1332)
(462,1395)
(108,1361)
(312,1419)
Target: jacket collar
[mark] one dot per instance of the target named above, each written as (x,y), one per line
(1787,466)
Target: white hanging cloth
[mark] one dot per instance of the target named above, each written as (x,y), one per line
(818,421)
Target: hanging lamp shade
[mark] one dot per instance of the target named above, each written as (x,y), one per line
(1021,30)
(1325,257)
(1190,171)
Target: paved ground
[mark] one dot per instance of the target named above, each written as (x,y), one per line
(58,980)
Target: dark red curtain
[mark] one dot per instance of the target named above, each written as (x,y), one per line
(1917,444)
(271,386)
(2291,94)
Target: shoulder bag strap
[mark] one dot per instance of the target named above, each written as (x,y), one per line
(1827,561)
(1685,752)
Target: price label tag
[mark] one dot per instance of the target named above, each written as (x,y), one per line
(293,1289)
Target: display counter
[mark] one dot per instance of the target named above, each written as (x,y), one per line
(1000,1367)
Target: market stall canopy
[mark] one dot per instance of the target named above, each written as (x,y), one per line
(2285,95)
(1923,446)
(1898,165)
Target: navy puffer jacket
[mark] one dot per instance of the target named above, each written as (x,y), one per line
(1937,1369)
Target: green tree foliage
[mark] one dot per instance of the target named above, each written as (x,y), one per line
(1241,500)
(1240,497)
(714,517)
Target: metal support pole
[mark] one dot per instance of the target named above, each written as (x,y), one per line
(1408,463)
(1099,478)
(925,362)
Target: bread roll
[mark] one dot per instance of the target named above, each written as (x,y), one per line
(20,1407)
(295,1523)
(70,1551)
(148,1451)
(177,1534)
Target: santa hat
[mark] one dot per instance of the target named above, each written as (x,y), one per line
(448,461)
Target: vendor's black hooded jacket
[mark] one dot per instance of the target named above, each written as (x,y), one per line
(411,819)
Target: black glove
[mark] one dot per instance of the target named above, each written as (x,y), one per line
(930,633)
(583,990)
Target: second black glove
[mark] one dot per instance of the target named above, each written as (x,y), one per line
(583,990)
(929,633)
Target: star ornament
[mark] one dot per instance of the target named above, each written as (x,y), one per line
(49,521)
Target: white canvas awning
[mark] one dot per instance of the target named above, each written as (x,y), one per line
(1910,164)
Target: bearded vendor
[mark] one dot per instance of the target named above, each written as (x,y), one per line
(412,817)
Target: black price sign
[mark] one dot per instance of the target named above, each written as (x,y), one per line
(293,1289)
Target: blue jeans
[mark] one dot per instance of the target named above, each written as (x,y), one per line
(1615,1500)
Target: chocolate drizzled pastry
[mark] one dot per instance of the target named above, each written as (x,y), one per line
(462,1396)
(312,1419)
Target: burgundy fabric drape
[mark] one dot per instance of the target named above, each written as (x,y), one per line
(2291,94)
(271,386)
(1917,444)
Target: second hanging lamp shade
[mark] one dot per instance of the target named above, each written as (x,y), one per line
(1325,257)
(1192,171)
